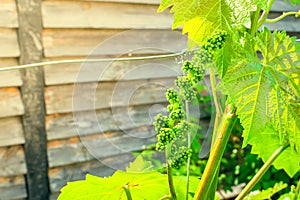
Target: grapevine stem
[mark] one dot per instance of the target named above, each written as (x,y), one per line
(254,21)
(127,192)
(218,116)
(214,159)
(264,15)
(297,14)
(189,159)
(260,173)
(170,178)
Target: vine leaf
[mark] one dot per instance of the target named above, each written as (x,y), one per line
(112,187)
(266,90)
(138,183)
(202,18)
(294,2)
(139,165)
(266,143)
(268,193)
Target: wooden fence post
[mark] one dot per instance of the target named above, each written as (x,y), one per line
(31,51)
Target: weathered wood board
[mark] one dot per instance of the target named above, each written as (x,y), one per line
(99,146)
(9,43)
(62,99)
(60,14)
(10,102)
(12,161)
(59,176)
(82,42)
(8,14)
(61,126)
(9,78)
(111,71)
(12,188)
(11,132)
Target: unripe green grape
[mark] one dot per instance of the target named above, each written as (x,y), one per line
(172,95)
(164,137)
(186,88)
(160,121)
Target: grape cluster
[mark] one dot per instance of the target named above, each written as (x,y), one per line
(177,115)
(172,95)
(187,66)
(165,136)
(215,42)
(186,88)
(160,122)
(180,157)
(201,57)
(181,129)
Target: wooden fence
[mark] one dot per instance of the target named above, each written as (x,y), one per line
(41,148)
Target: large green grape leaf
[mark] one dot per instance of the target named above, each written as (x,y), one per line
(294,2)
(266,90)
(147,186)
(265,143)
(113,187)
(200,19)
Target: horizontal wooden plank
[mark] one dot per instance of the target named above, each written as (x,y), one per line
(111,71)
(121,118)
(60,14)
(11,132)
(9,43)
(12,188)
(10,102)
(9,78)
(75,150)
(12,161)
(62,99)
(283,6)
(289,24)
(8,14)
(80,42)
(58,177)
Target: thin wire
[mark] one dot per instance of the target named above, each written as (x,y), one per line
(56,62)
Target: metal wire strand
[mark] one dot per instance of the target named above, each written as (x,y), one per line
(56,62)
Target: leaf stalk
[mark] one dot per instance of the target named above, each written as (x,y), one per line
(297,14)
(261,172)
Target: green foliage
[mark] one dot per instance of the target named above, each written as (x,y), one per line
(265,92)
(294,2)
(266,194)
(136,180)
(200,19)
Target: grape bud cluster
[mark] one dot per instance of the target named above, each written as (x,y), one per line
(165,136)
(160,122)
(181,129)
(180,157)
(215,42)
(172,95)
(186,88)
